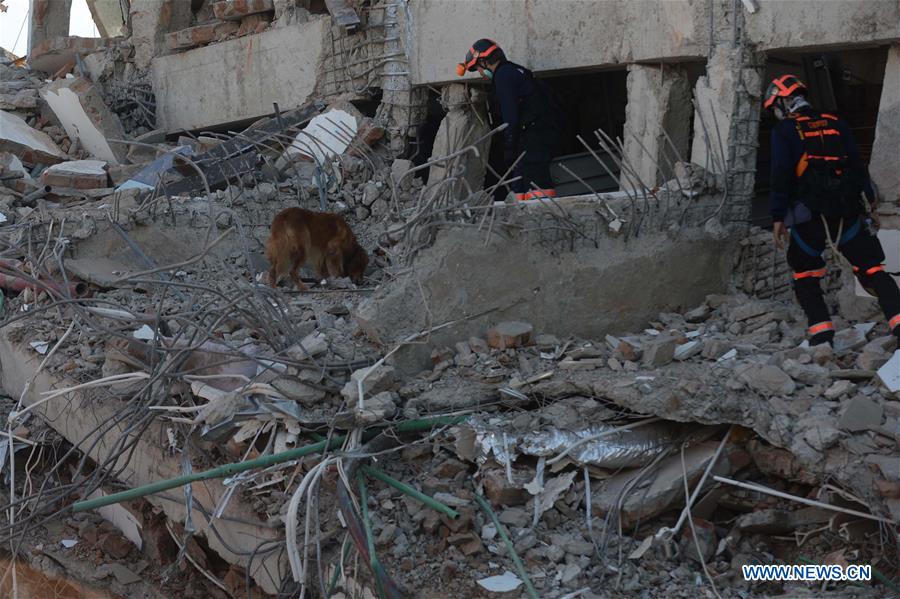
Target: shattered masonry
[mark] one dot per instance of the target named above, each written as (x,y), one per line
(607,394)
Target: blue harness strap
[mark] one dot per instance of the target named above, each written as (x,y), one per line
(851,232)
(803,245)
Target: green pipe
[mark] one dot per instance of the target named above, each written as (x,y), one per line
(367,524)
(411,491)
(338,569)
(261,462)
(520,567)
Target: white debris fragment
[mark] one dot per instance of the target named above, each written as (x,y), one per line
(890,373)
(145,333)
(40,347)
(729,355)
(503,583)
(69,543)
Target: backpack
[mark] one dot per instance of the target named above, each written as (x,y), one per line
(826,180)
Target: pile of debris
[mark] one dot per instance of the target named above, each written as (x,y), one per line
(256,436)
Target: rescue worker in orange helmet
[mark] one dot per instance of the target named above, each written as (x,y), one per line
(818,184)
(531,112)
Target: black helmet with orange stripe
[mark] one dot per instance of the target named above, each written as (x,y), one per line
(480,50)
(783,87)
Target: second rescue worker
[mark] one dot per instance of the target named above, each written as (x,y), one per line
(818,181)
(530,111)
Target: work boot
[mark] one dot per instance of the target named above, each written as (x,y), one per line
(822,332)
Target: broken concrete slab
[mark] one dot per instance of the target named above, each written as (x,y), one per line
(150,21)
(80,108)
(766,379)
(666,485)
(374,380)
(660,351)
(53,54)
(238,9)
(29,145)
(328,134)
(77,174)
(200,35)
(778,521)
(861,413)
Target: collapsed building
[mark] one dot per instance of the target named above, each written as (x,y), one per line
(603,394)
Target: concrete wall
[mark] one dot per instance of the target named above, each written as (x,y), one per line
(587,291)
(238,79)
(548,35)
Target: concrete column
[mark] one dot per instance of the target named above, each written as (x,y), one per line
(659,99)
(726,123)
(884,167)
(151,20)
(465,122)
(48,19)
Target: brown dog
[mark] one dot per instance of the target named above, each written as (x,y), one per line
(322,240)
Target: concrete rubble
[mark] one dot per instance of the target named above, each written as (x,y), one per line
(606,394)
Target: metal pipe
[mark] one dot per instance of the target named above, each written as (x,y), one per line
(411,491)
(14,283)
(262,462)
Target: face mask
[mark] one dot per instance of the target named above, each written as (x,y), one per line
(779,113)
(488,73)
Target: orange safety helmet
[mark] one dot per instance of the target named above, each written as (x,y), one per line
(480,49)
(782,87)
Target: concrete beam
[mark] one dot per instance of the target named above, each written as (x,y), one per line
(813,24)
(108,16)
(78,417)
(574,34)
(884,162)
(659,100)
(238,79)
(47,19)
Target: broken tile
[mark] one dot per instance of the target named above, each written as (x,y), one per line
(29,145)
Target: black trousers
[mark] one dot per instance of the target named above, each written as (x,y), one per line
(534,170)
(862,250)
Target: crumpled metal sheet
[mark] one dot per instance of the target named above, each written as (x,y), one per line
(626,449)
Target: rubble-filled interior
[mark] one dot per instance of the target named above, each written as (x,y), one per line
(605,394)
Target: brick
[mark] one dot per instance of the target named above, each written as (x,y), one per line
(77,174)
(200,35)
(510,334)
(238,9)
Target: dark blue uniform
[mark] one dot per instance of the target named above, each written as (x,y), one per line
(811,230)
(532,121)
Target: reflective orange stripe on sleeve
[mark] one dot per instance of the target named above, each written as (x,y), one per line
(874,269)
(894,321)
(810,273)
(821,327)
(802,164)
